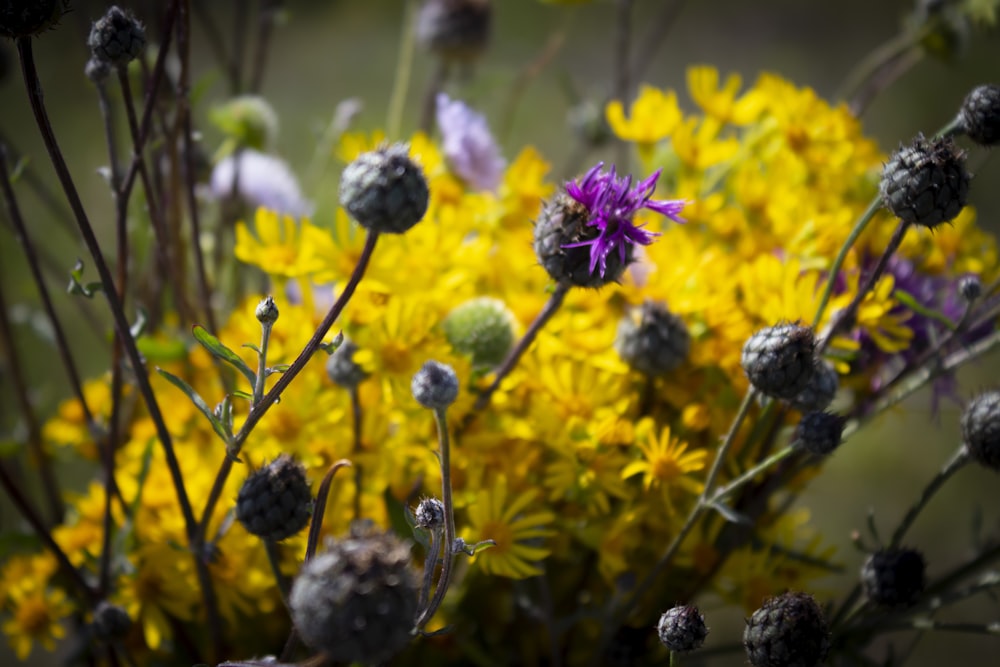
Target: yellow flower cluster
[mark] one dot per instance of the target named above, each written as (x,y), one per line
(581,469)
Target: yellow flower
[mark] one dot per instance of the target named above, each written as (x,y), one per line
(491,517)
(702,148)
(38,614)
(666,463)
(282,246)
(721,103)
(653,117)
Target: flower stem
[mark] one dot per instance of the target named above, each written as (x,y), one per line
(34,89)
(550,308)
(404,67)
(954,464)
(258,389)
(444,444)
(286,378)
(356,448)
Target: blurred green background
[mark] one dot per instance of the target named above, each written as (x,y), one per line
(331,50)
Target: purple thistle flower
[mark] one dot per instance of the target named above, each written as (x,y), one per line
(611,202)
(468,145)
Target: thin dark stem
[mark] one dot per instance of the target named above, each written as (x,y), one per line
(241,22)
(434,86)
(274,558)
(655,37)
(24,507)
(286,378)
(430,564)
(882,78)
(62,342)
(954,464)
(184,102)
(845,318)
(40,188)
(16,377)
(265,28)
(217,45)
(117,384)
(621,86)
(550,308)
(444,444)
(34,90)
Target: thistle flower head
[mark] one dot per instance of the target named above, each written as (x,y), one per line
(611,202)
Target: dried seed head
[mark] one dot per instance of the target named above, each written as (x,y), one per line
(357,600)
(274,502)
(894,577)
(787,631)
(981,429)
(779,360)
(652,340)
(384,190)
(117,38)
(926,183)
(979,116)
(682,628)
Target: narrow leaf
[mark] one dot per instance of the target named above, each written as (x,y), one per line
(198,401)
(217,349)
(76,286)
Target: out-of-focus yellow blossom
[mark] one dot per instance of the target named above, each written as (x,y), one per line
(511,524)
(721,103)
(653,116)
(281,245)
(667,465)
(38,616)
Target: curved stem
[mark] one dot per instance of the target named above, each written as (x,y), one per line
(440,418)
(286,378)
(954,464)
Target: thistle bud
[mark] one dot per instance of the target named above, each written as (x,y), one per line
(561,224)
(384,190)
(979,117)
(341,367)
(117,38)
(652,340)
(682,629)
(274,502)
(981,429)
(455,29)
(430,514)
(820,391)
(267,311)
(926,183)
(482,328)
(970,288)
(25,18)
(788,630)
(779,360)
(894,577)
(111,622)
(435,385)
(819,432)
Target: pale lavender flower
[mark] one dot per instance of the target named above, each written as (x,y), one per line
(468,145)
(261,180)
(611,203)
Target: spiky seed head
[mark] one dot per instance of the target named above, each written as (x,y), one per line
(435,385)
(926,183)
(430,514)
(563,221)
(779,360)
(384,190)
(788,630)
(981,429)
(455,30)
(357,600)
(341,367)
(819,432)
(970,288)
(111,622)
(482,328)
(26,18)
(821,390)
(652,340)
(682,628)
(894,577)
(117,38)
(979,117)
(274,502)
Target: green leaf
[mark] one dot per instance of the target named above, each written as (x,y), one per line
(76,286)
(421,535)
(19,168)
(217,349)
(729,514)
(242,394)
(396,512)
(280,368)
(161,351)
(332,346)
(911,302)
(252,347)
(198,401)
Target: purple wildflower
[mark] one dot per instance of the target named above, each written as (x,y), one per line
(468,145)
(261,180)
(611,202)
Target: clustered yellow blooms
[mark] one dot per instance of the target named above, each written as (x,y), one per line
(581,469)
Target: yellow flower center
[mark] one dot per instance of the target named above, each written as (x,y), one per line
(396,357)
(33,616)
(501,534)
(665,468)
